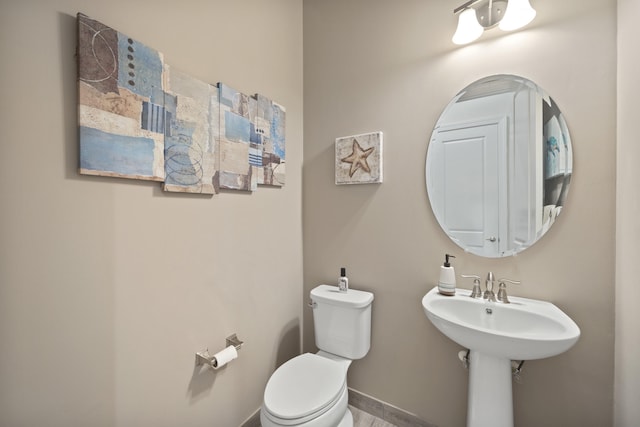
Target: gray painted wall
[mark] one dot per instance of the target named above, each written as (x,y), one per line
(376,66)
(108,287)
(627,376)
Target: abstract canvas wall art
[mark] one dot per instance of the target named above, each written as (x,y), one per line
(238,155)
(269,131)
(192,132)
(359,159)
(118,79)
(140,118)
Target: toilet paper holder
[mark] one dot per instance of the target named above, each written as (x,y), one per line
(204,358)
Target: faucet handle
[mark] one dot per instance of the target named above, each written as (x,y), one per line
(502,289)
(476,292)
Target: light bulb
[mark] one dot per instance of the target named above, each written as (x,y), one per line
(468,27)
(518,14)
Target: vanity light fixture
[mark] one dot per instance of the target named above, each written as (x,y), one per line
(519,13)
(469,29)
(479,15)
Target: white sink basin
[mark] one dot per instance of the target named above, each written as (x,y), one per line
(525,329)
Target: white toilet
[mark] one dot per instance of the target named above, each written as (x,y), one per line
(310,390)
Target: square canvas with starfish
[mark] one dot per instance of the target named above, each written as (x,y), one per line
(359,159)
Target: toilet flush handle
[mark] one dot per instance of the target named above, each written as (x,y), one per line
(312,304)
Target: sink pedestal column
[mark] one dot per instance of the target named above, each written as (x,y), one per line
(490,400)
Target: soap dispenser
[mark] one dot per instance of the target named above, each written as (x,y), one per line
(343,282)
(447,282)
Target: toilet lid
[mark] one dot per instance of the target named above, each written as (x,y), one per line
(304,385)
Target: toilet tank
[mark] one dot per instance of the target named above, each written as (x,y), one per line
(342,321)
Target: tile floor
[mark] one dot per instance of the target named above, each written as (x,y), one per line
(364,419)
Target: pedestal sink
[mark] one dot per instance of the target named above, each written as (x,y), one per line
(497,333)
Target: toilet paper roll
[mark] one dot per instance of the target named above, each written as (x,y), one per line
(223,357)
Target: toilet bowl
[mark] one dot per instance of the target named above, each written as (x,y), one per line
(310,390)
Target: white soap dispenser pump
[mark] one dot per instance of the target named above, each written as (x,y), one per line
(447,282)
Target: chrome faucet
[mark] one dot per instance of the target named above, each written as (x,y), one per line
(488,287)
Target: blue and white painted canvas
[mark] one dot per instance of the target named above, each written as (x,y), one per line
(238,154)
(270,134)
(140,118)
(121,104)
(192,132)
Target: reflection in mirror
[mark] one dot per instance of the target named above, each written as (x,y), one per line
(498,166)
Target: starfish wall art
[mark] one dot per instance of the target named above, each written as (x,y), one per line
(359,159)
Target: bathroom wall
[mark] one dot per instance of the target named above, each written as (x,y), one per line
(108,287)
(375,66)
(627,373)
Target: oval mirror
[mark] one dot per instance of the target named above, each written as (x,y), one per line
(498,166)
